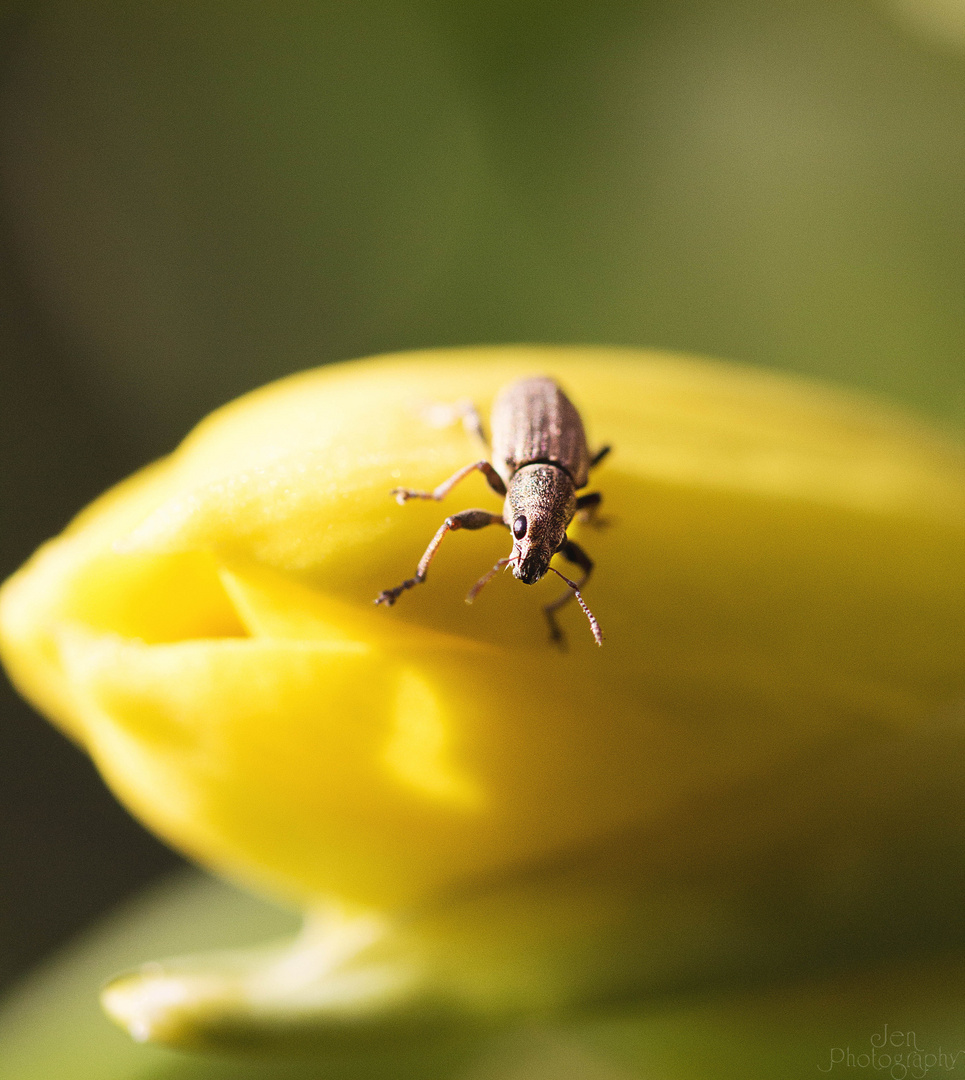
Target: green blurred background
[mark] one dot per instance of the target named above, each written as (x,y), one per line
(198,197)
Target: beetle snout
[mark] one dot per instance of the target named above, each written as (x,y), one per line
(531,565)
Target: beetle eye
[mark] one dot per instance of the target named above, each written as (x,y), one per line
(519,527)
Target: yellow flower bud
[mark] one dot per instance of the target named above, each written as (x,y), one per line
(778,566)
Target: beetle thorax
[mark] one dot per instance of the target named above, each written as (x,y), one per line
(540,505)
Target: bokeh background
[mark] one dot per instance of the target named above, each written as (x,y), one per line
(196,197)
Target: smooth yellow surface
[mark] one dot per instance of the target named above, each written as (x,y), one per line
(780,565)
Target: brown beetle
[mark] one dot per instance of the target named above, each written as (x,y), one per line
(540,460)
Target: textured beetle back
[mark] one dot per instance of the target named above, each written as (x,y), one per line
(533,420)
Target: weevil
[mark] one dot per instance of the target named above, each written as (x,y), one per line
(540,460)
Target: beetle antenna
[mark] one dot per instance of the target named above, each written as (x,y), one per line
(487,577)
(594,625)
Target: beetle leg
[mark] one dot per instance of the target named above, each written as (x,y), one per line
(599,456)
(588,504)
(472,422)
(402,495)
(465,519)
(441,415)
(573,553)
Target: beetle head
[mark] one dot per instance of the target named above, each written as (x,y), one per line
(539,506)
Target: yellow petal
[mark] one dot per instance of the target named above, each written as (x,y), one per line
(781,566)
